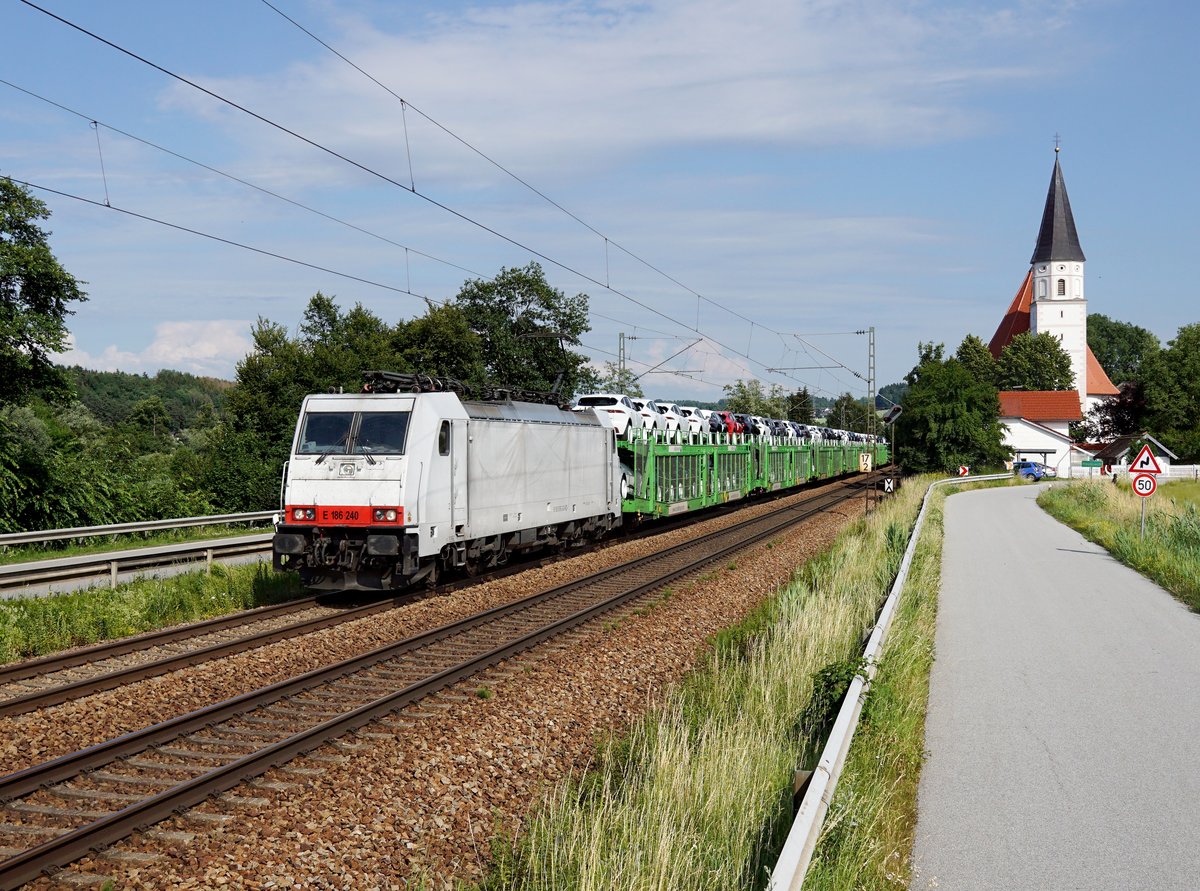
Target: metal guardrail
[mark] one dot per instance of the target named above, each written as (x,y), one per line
(112,564)
(16,538)
(797,852)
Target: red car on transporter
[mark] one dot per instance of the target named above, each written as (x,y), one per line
(732,424)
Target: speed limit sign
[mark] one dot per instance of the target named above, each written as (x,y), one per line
(1145,484)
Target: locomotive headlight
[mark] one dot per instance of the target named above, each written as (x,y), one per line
(385,514)
(391,515)
(298,514)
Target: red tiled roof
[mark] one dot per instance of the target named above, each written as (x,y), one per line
(1016,321)
(1040,405)
(1098,383)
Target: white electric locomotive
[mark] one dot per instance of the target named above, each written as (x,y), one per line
(388,487)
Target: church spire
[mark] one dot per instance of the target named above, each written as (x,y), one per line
(1057,239)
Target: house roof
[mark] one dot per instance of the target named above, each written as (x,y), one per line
(1098,382)
(1119,447)
(1057,238)
(1040,405)
(1016,321)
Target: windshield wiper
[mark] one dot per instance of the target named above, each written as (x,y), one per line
(366,451)
(325,454)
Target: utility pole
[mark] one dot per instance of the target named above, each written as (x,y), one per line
(621,356)
(870,377)
(871,382)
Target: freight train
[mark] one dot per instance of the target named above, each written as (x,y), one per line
(409,480)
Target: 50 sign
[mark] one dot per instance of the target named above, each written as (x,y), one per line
(1145,484)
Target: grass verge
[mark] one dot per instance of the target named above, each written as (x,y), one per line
(99,544)
(1110,516)
(698,794)
(39,625)
(868,835)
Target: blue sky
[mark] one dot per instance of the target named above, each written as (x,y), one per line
(812,167)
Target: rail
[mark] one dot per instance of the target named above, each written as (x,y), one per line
(17,538)
(403,672)
(797,852)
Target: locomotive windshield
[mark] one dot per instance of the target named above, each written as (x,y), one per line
(353,433)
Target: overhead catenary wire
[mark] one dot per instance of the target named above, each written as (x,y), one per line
(411,189)
(229,176)
(222,240)
(405,103)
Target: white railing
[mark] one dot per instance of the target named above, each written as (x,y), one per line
(1181,472)
(797,852)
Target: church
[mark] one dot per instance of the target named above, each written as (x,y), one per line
(1051,298)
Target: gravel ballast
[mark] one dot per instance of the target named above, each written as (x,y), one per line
(422,793)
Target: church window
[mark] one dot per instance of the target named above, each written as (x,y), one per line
(1062,287)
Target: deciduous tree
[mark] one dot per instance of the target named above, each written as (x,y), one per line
(977,359)
(849,413)
(36,294)
(524,326)
(1119,347)
(1035,362)
(950,417)
(1171,383)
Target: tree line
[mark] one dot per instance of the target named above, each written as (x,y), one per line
(81,448)
(951,406)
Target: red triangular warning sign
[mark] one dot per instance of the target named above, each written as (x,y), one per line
(1145,462)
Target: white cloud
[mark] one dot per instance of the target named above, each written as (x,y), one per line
(569,86)
(201,347)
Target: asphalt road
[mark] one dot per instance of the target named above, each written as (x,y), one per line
(1063,732)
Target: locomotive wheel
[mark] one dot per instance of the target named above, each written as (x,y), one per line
(473,567)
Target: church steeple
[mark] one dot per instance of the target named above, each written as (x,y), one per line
(1059,305)
(1057,238)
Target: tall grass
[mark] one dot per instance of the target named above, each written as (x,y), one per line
(698,795)
(1111,517)
(40,625)
(868,835)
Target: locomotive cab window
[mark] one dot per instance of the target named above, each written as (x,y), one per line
(444,439)
(381,433)
(353,433)
(327,431)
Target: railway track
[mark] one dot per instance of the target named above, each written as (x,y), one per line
(41,683)
(54,813)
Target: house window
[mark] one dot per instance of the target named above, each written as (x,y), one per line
(1062,287)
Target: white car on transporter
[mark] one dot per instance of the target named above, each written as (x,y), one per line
(615,408)
(673,416)
(696,422)
(652,419)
